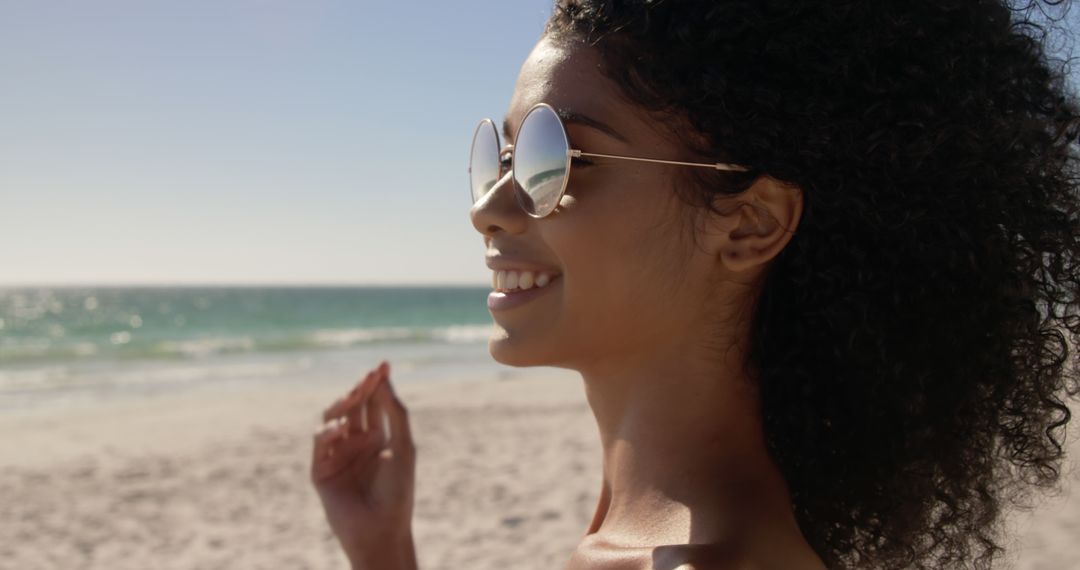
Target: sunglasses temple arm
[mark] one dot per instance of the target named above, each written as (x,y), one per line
(574,153)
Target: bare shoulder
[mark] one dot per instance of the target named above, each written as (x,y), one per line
(597,555)
(593,554)
(701,557)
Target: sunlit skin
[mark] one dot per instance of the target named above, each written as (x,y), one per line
(657,327)
(654,318)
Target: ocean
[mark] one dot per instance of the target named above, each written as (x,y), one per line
(86,343)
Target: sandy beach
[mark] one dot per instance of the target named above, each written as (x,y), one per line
(508,477)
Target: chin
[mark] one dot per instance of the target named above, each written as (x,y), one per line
(511,351)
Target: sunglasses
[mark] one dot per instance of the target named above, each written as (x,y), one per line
(540,160)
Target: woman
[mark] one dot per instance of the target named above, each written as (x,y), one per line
(828,325)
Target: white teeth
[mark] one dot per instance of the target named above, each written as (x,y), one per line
(513,280)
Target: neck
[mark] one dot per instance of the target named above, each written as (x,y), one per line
(685,460)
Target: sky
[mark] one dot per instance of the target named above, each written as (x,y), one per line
(248,141)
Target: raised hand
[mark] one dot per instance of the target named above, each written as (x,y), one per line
(366,477)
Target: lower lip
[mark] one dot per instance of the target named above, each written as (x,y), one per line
(497,301)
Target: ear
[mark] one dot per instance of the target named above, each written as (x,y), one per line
(756,224)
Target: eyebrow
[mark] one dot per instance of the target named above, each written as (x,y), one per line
(569,116)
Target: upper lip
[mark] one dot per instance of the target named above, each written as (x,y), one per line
(508,263)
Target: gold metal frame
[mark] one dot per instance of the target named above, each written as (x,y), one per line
(571,153)
(472,149)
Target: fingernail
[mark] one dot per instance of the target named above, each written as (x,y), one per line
(384,368)
(360,383)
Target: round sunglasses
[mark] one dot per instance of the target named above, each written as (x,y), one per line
(540,160)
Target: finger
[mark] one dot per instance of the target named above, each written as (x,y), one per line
(374,413)
(344,404)
(336,452)
(359,417)
(323,446)
(398,414)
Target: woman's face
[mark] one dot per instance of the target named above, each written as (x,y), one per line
(630,283)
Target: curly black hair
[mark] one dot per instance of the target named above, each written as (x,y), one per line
(913,340)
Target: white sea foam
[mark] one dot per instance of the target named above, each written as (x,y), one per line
(336,338)
(340,338)
(84,349)
(464,333)
(204,347)
(203,372)
(48,379)
(35,378)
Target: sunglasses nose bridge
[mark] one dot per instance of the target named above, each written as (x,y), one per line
(506,151)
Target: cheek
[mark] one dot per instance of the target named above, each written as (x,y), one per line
(620,262)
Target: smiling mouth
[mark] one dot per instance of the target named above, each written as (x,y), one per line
(504,300)
(512,281)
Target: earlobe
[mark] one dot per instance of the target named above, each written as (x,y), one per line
(759,226)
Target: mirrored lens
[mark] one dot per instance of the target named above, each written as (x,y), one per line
(484,159)
(540,161)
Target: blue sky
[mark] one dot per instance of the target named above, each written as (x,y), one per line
(248,141)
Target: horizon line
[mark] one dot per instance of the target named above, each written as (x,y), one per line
(224,285)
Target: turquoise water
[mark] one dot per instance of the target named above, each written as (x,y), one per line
(72,324)
(57,339)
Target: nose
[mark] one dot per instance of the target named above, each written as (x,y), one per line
(499,210)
